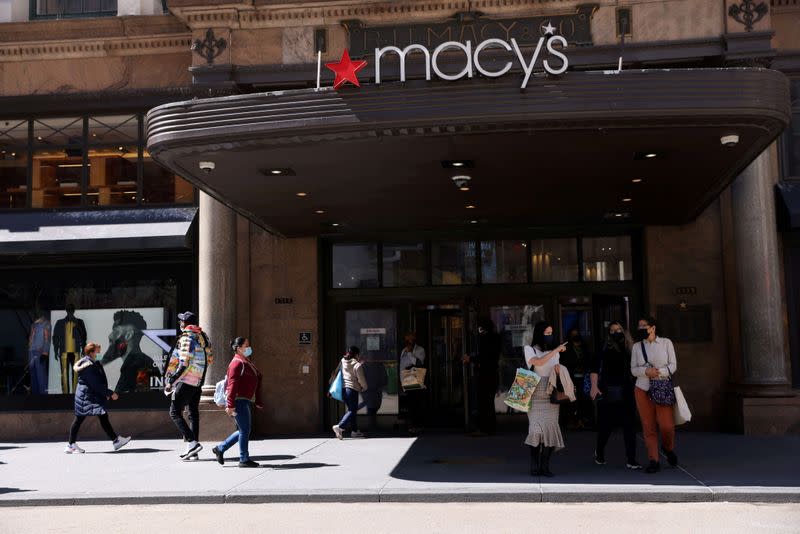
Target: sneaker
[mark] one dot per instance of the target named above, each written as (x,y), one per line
(653,467)
(633,465)
(249,463)
(72,448)
(192,458)
(338,431)
(220,455)
(356,434)
(121,442)
(672,458)
(599,459)
(192,448)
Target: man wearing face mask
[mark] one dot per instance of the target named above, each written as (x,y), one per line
(184,378)
(653,359)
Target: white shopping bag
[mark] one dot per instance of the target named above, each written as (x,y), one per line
(681,410)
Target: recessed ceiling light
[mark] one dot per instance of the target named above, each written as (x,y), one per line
(120,148)
(637,180)
(278,171)
(627,199)
(38,137)
(301,194)
(334,224)
(319,212)
(470,206)
(458,164)
(473,222)
(617,215)
(650,155)
(464,188)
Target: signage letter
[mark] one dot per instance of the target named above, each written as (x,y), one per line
(467,49)
(487,43)
(527,67)
(402,55)
(557,53)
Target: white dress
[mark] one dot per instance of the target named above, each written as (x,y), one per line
(543,426)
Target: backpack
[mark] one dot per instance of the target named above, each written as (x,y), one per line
(221,391)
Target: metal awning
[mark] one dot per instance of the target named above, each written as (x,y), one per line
(59,232)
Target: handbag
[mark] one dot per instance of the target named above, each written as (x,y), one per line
(337,387)
(680,410)
(414,378)
(662,390)
(520,394)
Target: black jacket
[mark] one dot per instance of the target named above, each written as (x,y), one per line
(78,334)
(91,395)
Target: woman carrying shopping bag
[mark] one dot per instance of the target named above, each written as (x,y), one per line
(91,397)
(653,363)
(544,434)
(354,382)
(243,391)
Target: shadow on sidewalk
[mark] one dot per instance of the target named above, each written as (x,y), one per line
(13,490)
(711,459)
(289,467)
(9,447)
(275,457)
(141,450)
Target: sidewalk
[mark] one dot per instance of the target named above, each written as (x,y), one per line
(433,468)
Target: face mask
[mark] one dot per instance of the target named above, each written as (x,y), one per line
(642,334)
(248,351)
(618,337)
(548,340)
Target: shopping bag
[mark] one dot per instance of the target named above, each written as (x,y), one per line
(414,378)
(520,395)
(337,387)
(680,409)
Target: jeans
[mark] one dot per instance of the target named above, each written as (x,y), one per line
(104,422)
(350,418)
(186,395)
(243,420)
(37,365)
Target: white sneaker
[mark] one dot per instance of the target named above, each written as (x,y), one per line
(72,448)
(356,434)
(192,448)
(338,431)
(121,442)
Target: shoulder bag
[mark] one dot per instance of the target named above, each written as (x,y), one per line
(662,390)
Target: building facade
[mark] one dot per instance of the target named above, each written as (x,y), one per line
(517,160)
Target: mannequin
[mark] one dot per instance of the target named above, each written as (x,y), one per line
(69,336)
(38,349)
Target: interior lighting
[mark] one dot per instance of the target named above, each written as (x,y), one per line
(637,180)
(473,222)
(301,194)
(470,206)
(650,155)
(627,199)
(319,212)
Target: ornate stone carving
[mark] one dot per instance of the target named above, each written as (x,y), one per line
(210,47)
(748,13)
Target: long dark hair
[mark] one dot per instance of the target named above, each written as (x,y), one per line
(352,352)
(237,342)
(538,335)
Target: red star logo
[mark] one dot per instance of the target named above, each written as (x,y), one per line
(346,69)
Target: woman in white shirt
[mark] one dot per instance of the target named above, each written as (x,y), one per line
(544,434)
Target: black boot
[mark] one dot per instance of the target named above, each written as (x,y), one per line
(536,453)
(544,463)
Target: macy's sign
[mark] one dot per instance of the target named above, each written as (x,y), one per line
(347,68)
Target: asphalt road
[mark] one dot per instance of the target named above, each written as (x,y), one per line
(494,518)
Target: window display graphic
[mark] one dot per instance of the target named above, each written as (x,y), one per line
(131,359)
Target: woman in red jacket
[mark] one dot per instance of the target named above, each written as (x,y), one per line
(242,392)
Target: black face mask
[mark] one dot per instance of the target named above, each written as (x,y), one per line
(642,334)
(548,341)
(618,337)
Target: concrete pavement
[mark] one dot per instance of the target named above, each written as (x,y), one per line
(432,468)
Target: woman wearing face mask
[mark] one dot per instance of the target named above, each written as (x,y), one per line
(653,358)
(612,388)
(544,434)
(242,392)
(91,397)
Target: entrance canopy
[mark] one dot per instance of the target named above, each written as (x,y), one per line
(640,146)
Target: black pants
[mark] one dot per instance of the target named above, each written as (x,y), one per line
(104,422)
(417,406)
(186,396)
(487,389)
(613,414)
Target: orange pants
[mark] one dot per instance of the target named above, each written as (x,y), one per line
(651,415)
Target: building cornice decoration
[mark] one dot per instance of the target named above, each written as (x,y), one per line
(748,13)
(117,46)
(210,47)
(333,13)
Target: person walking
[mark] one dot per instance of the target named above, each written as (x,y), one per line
(653,363)
(577,358)
(416,400)
(91,396)
(184,378)
(486,361)
(355,381)
(243,391)
(612,389)
(544,433)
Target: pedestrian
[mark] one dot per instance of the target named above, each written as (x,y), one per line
(486,360)
(91,396)
(184,378)
(577,358)
(612,389)
(412,356)
(544,433)
(242,391)
(372,399)
(653,363)
(355,381)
